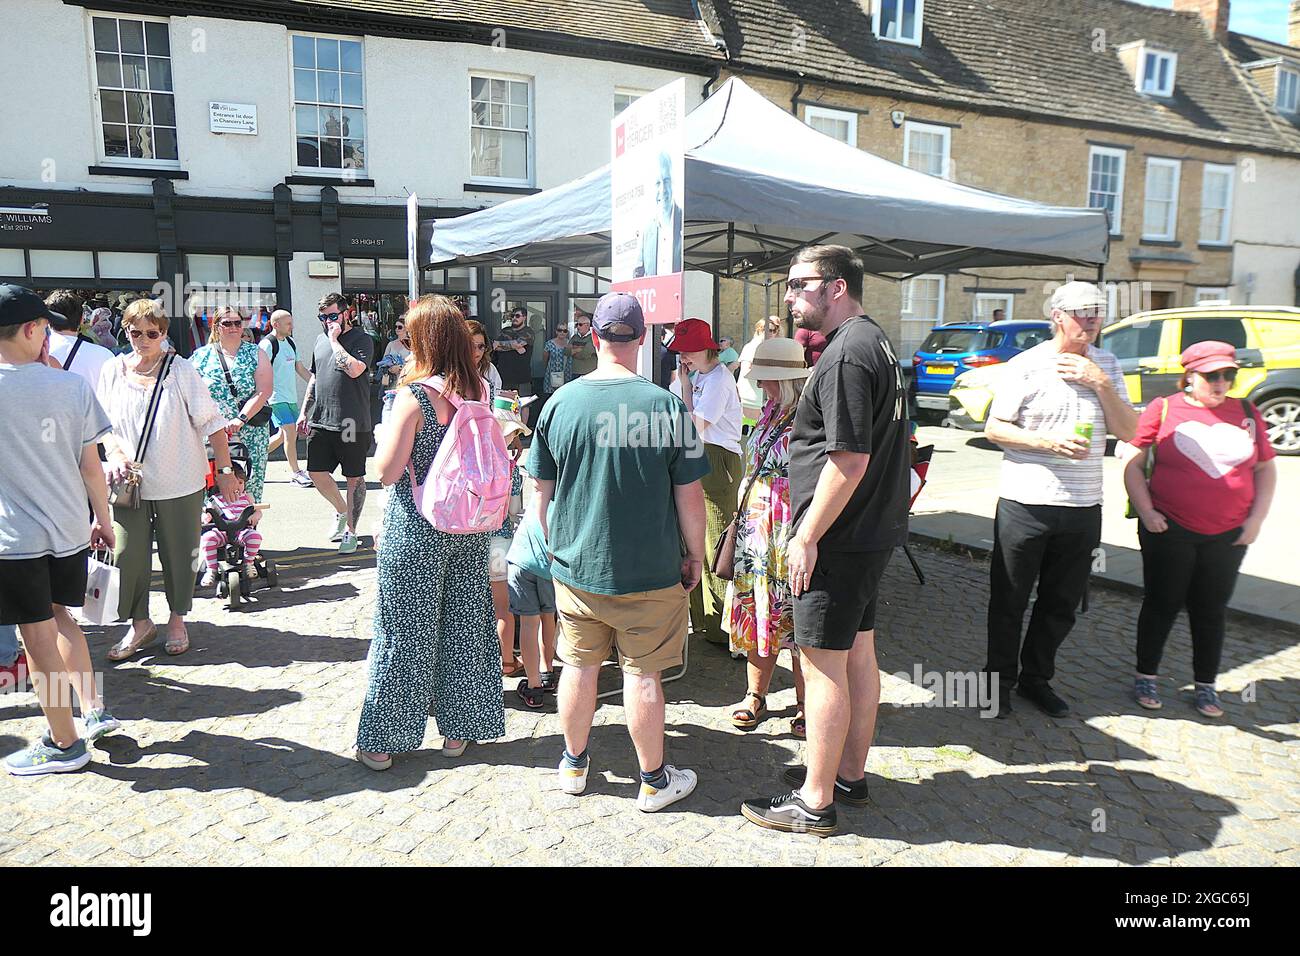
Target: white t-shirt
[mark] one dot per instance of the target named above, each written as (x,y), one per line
(751,396)
(90,357)
(716,402)
(1032,395)
(176,462)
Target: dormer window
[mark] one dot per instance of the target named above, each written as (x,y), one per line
(1288,90)
(898,20)
(1156,77)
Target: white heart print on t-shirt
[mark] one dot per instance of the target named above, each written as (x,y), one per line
(1217,448)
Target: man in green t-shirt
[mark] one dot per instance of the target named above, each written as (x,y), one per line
(618,466)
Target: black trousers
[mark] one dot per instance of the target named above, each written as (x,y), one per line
(1054,546)
(1181,568)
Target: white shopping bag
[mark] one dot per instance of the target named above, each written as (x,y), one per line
(102,583)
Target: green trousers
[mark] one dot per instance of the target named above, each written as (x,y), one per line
(175,524)
(721,489)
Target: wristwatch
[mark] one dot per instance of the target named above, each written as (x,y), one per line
(228,470)
(242,417)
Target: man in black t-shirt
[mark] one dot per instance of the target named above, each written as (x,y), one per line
(849,495)
(336,416)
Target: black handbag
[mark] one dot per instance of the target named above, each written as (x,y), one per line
(723,564)
(124,492)
(263,415)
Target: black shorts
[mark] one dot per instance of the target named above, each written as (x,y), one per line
(327,450)
(29,587)
(840,600)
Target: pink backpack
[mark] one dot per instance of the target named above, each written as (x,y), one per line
(467,489)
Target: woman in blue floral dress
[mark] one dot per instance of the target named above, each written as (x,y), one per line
(250,371)
(434,640)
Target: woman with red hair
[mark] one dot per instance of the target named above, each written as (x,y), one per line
(434,640)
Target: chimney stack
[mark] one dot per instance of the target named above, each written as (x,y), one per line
(1293,25)
(1214,14)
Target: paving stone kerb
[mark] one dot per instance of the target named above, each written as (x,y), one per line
(240,752)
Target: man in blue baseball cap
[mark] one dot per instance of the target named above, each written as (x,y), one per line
(50,467)
(618,468)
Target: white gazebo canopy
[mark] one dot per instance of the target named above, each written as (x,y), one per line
(760,184)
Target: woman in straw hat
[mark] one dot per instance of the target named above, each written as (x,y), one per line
(761,618)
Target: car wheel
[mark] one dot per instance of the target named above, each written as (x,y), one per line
(1282,418)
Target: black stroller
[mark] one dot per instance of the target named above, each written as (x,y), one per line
(232,586)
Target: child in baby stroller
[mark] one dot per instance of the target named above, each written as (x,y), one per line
(231,544)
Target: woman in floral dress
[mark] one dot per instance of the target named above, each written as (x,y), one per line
(559,361)
(760,615)
(250,370)
(434,640)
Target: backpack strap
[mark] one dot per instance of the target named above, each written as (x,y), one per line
(275,348)
(76,347)
(439,385)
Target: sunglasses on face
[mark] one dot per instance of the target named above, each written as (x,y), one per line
(151,334)
(479,348)
(584,325)
(799,285)
(329,316)
(1228,375)
(231,323)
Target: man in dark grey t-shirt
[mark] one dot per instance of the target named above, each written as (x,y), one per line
(336,416)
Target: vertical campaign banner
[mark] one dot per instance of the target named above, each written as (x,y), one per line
(647,179)
(412,250)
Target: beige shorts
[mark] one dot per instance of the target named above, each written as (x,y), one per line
(648,627)
(498,568)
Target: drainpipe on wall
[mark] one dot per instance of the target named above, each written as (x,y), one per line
(794,100)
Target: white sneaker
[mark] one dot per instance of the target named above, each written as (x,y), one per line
(681,783)
(209,579)
(340,526)
(301,479)
(573,779)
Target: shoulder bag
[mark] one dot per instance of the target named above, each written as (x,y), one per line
(124,492)
(263,414)
(723,564)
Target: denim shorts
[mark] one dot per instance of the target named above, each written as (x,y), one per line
(529,594)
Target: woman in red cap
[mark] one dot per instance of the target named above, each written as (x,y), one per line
(714,403)
(1201,506)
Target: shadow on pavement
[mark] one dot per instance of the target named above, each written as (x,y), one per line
(237,642)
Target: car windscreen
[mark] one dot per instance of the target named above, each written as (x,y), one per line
(956,341)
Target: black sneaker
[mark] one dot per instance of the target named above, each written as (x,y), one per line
(789,814)
(550,681)
(1045,698)
(850,794)
(531,696)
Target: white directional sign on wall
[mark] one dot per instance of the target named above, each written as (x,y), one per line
(232,118)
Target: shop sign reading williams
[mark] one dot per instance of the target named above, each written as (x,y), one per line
(23,218)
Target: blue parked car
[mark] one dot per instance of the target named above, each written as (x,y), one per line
(959,347)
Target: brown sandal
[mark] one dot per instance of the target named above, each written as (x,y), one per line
(127,647)
(514,669)
(747,719)
(798,724)
(174,646)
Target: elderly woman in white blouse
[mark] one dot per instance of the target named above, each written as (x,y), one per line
(173,472)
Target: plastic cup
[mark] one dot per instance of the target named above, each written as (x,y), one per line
(1083,430)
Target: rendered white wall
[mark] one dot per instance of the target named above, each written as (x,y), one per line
(417,109)
(1266,230)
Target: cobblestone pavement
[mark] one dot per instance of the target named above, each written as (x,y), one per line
(240,752)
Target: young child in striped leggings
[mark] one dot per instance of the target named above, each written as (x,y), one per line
(213,538)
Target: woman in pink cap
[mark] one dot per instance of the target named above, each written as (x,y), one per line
(1200,507)
(714,404)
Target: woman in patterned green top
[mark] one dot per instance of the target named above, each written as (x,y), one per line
(250,373)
